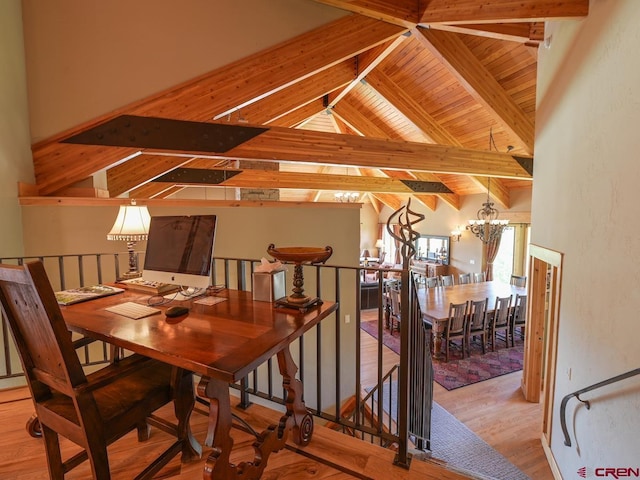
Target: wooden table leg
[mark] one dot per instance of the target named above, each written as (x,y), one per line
(296,419)
(297,416)
(437,341)
(183,406)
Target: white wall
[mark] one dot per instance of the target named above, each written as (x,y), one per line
(15,152)
(584,205)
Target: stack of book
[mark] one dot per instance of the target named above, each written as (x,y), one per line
(145,286)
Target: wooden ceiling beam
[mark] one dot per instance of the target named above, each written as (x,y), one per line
(479,82)
(502,11)
(154,190)
(281,144)
(217,93)
(399,12)
(527,33)
(363,124)
(367,62)
(398,97)
(335,149)
(451,199)
(299,115)
(497,190)
(429,201)
(314,181)
(375,203)
(391,201)
(137,171)
(257,76)
(299,94)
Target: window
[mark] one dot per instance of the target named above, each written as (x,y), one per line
(513,254)
(503,263)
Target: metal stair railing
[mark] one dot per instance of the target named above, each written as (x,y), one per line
(577,393)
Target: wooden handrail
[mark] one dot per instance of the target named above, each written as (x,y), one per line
(577,393)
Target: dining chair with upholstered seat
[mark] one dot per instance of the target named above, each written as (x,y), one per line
(446,280)
(500,320)
(518,317)
(479,277)
(477,323)
(464,278)
(518,281)
(91,410)
(456,327)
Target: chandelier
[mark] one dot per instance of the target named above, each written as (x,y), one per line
(346,197)
(487,227)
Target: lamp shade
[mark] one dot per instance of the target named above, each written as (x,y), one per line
(131,225)
(379,243)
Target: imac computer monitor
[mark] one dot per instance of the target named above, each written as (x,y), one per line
(179,250)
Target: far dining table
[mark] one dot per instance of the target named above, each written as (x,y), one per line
(434,302)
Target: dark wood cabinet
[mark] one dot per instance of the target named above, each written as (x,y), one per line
(429,269)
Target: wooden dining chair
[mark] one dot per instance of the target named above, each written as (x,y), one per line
(431,282)
(518,317)
(456,327)
(446,280)
(500,320)
(479,277)
(518,281)
(395,314)
(477,323)
(464,278)
(91,410)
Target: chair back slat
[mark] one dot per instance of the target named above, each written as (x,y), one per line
(479,277)
(520,309)
(457,317)
(431,282)
(40,333)
(502,311)
(518,281)
(478,314)
(464,278)
(446,280)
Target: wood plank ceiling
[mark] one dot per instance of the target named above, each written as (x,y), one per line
(389,101)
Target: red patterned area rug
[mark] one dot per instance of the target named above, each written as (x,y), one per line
(459,372)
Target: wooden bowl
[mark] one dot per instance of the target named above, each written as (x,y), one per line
(300,254)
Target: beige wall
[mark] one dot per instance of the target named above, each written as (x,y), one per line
(15,153)
(584,205)
(85,59)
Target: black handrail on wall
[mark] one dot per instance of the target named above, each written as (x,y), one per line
(577,393)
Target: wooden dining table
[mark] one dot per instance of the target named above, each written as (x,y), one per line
(434,302)
(223,343)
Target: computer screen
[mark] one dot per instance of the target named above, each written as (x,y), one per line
(179,250)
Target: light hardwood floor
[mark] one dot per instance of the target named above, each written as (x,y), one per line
(494,410)
(330,454)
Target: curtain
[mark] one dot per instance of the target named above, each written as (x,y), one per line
(381,250)
(398,257)
(492,250)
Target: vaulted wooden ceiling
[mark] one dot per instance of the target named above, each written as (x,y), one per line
(390,101)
